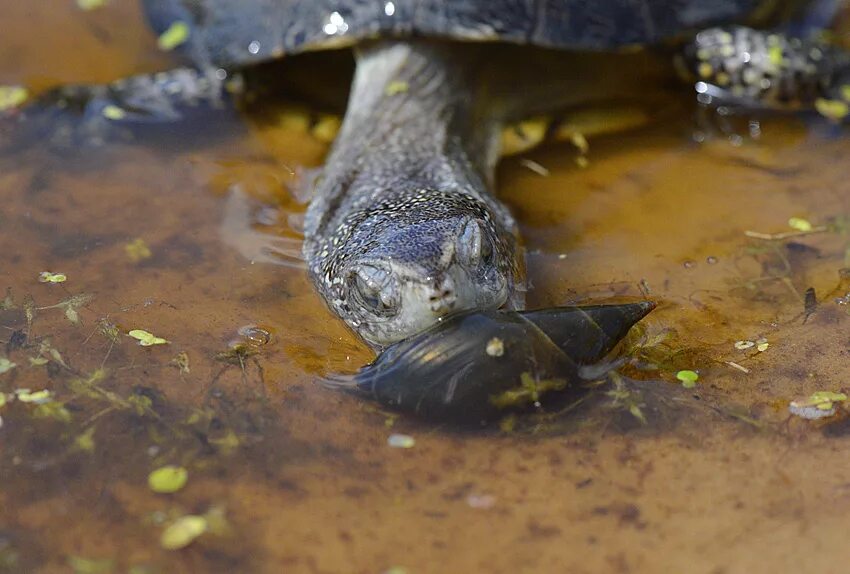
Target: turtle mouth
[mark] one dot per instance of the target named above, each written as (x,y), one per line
(426,303)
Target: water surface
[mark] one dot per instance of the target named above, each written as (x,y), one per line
(719,479)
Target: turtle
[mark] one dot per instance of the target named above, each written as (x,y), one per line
(403,228)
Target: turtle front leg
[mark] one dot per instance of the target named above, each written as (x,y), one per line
(88,115)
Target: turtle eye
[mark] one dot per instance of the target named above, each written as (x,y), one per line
(473,245)
(374,289)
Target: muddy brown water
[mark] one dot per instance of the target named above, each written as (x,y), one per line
(718,480)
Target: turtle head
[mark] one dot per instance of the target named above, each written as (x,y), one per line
(405,264)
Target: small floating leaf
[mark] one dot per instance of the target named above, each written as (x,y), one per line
(85,441)
(82,565)
(37,397)
(744,345)
(168,479)
(688,378)
(175,35)
(762,345)
(401,441)
(818,405)
(137,250)
(800,224)
(146,339)
(38,361)
(48,277)
(88,5)
(12,97)
(183,532)
(113,112)
(6,365)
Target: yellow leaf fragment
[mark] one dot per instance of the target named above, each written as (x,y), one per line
(48,277)
(146,339)
(12,97)
(183,532)
(137,250)
(800,224)
(175,35)
(688,378)
(6,365)
(168,479)
(113,112)
(762,345)
(85,441)
(88,5)
(401,441)
(37,397)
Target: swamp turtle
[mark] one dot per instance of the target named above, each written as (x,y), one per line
(402,227)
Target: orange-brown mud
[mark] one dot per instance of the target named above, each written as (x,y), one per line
(719,480)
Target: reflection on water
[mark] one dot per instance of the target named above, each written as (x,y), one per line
(288,475)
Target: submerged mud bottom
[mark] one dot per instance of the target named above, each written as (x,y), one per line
(476,367)
(287,475)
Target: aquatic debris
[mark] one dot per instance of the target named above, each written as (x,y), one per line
(762,345)
(396,87)
(818,405)
(256,336)
(82,565)
(535,167)
(6,365)
(529,391)
(688,378)
(181,361)
(89,5)
(137,250)
(401,441)
(183,532)
(113,112)
(8,301)
(738,367)
(395,570)
(146,339)
(48,277)
(495,347)
(85,441)
(810,303)
(744,345)
(36,397)
(12,97)
(168,479)
(800,224)
(481,501)
(174,36)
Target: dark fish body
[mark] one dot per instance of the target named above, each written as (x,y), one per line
(477,366)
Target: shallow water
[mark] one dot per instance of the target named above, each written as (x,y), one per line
(719,480)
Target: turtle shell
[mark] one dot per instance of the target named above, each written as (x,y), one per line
(238,33)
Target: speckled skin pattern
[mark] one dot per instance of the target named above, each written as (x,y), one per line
(410,169)
(754,67)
